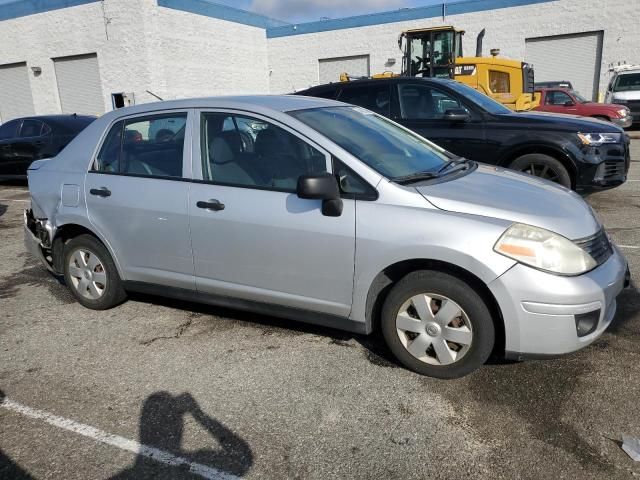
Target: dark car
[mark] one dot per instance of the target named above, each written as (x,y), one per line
(582,154)
(24,140)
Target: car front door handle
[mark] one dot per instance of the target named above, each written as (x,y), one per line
(100,192)
(212,204)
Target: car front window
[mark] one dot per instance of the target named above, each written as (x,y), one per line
(385,146)
(579,97)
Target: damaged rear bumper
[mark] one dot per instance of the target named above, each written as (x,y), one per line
(33,241)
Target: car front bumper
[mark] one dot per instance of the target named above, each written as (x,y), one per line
(603,167)
(542,312)
(624,122)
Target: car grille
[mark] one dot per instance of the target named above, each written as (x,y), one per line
(613,169)
(598,246)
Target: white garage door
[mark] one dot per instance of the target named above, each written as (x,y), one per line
(331,68)
(79,84)
(15,92)
(575,58)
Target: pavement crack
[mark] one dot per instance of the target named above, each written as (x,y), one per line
(183,327)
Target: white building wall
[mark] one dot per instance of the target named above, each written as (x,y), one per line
(293,60)
(77,30)
(205,56)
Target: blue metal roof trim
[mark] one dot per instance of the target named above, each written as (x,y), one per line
(22,8)
(431,11)
(223,12)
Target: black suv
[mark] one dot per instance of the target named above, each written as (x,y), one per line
(579,153)
(24,140)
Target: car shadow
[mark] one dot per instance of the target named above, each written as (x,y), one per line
(3,209)
(162,421)
(9,468)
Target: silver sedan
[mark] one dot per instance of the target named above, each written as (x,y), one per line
(322,212)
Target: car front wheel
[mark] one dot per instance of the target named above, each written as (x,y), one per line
(437,325)
(543,166)
(91,274)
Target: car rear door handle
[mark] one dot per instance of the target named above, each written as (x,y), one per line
(212,204)
(100,192)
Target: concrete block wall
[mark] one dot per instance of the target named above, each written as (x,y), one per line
(293,60)
(203,56)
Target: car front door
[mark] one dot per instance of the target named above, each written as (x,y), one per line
(8,137)
(137,194)
(253,238)
(557,101)
(423,109)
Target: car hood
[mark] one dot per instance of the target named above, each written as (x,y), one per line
(497,192)
(560,121)
(603,107)
(627,95)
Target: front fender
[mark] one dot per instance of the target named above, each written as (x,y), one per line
(388,235)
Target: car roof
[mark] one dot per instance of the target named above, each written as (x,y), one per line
(56,117)
(377,81)
(279,103)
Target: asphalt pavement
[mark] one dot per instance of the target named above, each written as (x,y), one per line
(162,389)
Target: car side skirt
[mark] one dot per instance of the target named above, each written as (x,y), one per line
(300,315)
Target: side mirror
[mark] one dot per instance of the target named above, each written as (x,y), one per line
(322,186)
(569,103)
(457,115)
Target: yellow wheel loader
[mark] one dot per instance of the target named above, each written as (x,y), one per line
(437,52)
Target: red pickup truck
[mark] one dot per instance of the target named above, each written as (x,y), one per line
(561,100)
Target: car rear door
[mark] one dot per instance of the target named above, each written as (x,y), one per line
(421,107)
(137,194)
(253,238)
(8,136)
(30,142)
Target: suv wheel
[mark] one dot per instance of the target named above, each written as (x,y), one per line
(90,273)
(437,325)
(543,166)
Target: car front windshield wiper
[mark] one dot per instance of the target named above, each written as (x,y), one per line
(458,164)
(415,177)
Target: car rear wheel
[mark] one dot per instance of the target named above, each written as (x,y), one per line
(437,325)
(543,166)
(91,274)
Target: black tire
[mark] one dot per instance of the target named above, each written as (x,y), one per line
(472,304)
(112,292)
(543,166)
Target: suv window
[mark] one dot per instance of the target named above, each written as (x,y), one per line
(147,146)
(9,129)
(30,128)
(249,152)
(425,102)
(372,97)
(557,98)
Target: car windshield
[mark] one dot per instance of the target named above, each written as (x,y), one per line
(579,97)
(627,82)
(386,147)
(480,99)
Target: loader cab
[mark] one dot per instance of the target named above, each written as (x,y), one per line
(430,52)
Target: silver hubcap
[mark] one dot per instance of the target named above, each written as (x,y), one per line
(87,274)
(434,329)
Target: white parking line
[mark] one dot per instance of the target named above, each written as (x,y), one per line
(628,246)
(13,190)
(13,200)
(117,441)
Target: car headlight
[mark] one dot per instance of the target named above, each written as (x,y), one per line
(597,139)
(623,112)
(543,249)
